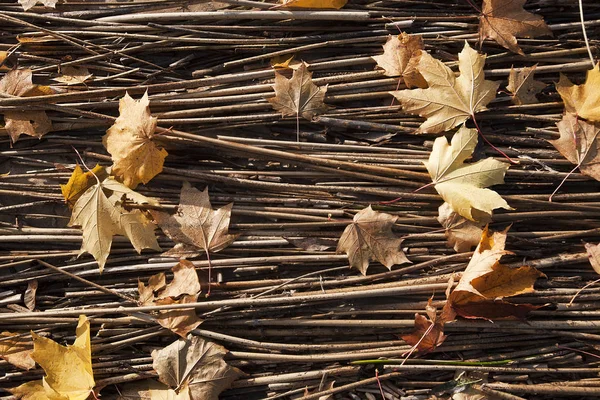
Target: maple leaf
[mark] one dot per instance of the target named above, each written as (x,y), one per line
(448,101)
(401,54)
(582,99)
(485,282)
(73,75)
(298,96)
(429,331)
(370,237)
(101,216)
(522,86)
(136,158)
(579,144)
(17,350)
(19,82)
(68,368)
(593,252)
(319,4)
(195,225)
(195,365)
(27,4)
(463,185)
(461,233)
(505,20)
(184,288)
(81,181)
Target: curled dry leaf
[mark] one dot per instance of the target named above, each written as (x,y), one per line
(485,282)
(593,251)
(136,158)
(27,4)
(17,349)
(505,20)
(29,296)
(429,331)
(68,368)
(196,225)
(578,143)
(462,234)
(19,82)
(319,4)
(184,288)
(522,86)
(101,217)
(463,185)
(370,237)
(582,100)
(298,96)
(401,55)
(448,101)
(81,181)
(195,366)
(73,75)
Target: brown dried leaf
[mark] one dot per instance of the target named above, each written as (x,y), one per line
(196,364)
(485,282)
(370,237)
(184,288)
(582,99)
(27,4)
(298,96)
(73,75)
(448,101)
(579,144)
(29,297)
(196,225)
(136,158)
(505,20)
(462,234)
(317,4)
(593,251)
(17,350)
(522,86)
(429,331)
(19,82)
(152,390)
(401,54)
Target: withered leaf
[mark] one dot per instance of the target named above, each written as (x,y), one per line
(152,390)
(429,331)
(101,217)
(593,251)
(448,101)
(317,4)
(370,237)
(298,96)
(463,185)
(29,296)
(195,365)
(19,82)
(462,233)
(485,282)
(184,288)
(578,143)
(27,4)
(73,75)
(196,225)
(522,86)
(16,349)
(505,20)
(582,100)
(136,158)
(401,54)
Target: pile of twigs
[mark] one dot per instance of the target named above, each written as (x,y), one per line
(294,316)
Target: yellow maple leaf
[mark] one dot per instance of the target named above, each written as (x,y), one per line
(582,99)
(449,101)
(336,4)
(463,185)
(69,374)
(136,158)
(79,182)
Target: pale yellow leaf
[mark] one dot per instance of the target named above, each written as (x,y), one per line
(582,99)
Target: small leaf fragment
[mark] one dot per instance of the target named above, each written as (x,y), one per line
(317,4)
(448,101)
(522,86)
(401,54)
(28,4)
(370,237)
(505,20)
(136,158)
(463,185)
(593,251)
(73,75)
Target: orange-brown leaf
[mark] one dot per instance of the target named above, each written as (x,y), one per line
(522,86)
(427,334)
(462,234)
(370,237)
(401,54)
(317,4)
(505,20)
